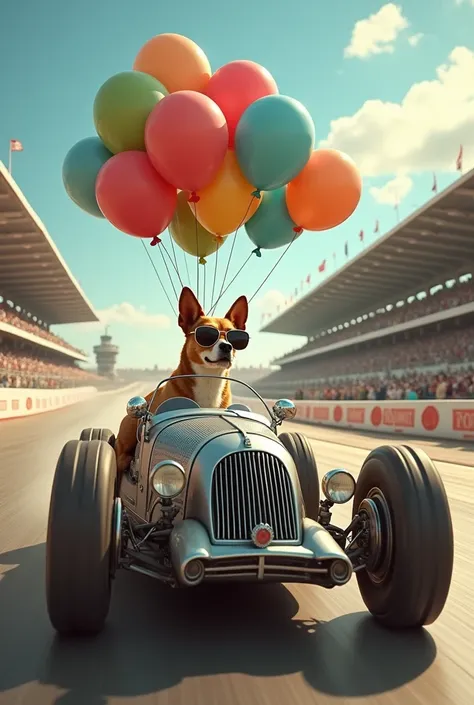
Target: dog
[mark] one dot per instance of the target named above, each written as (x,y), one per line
(209,349)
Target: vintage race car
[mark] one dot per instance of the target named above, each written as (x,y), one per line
(217,495)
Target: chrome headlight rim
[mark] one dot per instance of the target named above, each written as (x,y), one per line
(155,474)
(331,493)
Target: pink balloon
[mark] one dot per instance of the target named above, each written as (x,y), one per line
(133,196)
(186,138)
(237,85)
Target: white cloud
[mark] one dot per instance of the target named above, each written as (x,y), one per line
(126,314)
(415,39)
(270,301)
(421,133)
(393,192)
(377,33)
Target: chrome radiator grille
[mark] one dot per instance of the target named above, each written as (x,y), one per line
(248,488)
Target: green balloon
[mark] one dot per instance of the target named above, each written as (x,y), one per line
(121,109)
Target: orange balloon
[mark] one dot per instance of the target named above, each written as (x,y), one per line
(326,191)
(227,202)
(178,62)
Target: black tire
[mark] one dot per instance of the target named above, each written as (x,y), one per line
(409,584)
(298,447)
(98,434)
(79,542)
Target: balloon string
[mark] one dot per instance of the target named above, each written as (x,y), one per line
(215,272)
(197,247)
(175,258)
(167,269)
(234,278)
(175,266)
(187,268)
(158,276)
(204,289)
(255,194)
(274,266)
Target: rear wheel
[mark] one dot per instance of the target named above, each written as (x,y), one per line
(81,539)
(98,434)
(300,450)
(401,496)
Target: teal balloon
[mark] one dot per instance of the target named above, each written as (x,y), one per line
(81,166)
(274,140)
(271,226)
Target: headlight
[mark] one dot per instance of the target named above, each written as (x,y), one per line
(168,479)
(338,486)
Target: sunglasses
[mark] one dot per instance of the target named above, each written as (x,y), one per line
(207,336)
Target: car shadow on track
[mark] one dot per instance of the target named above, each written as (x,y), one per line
(156,637)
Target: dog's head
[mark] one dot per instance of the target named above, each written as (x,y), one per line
(211,342)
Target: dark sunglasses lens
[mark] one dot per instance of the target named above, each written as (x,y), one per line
(206,336)
(239,339)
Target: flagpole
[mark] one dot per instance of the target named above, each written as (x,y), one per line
(10,158)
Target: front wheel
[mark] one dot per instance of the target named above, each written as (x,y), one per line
(82,538)
(98,434)
(409,539)
(300,450)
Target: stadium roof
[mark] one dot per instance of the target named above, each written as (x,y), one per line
(431,246)
(32,272)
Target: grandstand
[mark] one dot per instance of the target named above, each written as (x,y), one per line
(37,290)
(397,321)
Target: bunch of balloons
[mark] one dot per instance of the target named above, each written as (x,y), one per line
(203,154)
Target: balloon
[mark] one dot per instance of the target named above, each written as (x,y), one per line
(326,192)
(80,168)
(271,226)
(273,141)
(133,197)
(121,108)
(176,61)
(186,139)
(183,229)
(227,202)
(235,86)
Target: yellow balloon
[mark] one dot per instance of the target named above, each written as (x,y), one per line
(227,203)
(196,241)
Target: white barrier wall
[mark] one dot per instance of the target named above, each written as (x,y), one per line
(26,402)
(430,418)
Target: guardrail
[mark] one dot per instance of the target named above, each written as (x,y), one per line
(15,403)
(431,418)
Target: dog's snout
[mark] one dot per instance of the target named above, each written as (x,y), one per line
(225,347)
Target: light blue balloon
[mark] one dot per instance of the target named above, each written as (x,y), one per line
(273,141)
(81,166)
(271,226)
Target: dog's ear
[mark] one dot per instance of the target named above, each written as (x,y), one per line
(238,313)
(189,309)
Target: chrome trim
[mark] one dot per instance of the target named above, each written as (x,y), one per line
(189,540)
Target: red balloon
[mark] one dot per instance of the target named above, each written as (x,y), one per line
(133,196)
(237,85)
(186,138)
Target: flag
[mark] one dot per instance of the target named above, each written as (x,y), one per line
(346,249)
(361,236)
(322,266)
(16,146)
(459,159)
(377,226)
(308,279)
(434,188)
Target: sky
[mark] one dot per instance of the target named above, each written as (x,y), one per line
(390,84)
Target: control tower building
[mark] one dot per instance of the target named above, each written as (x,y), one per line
(106,355)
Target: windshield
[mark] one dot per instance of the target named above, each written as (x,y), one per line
(242,393)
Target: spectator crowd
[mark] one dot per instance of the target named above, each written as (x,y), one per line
(19,368)
(442,300)
(11,316)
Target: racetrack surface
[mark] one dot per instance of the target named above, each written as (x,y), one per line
(244,645)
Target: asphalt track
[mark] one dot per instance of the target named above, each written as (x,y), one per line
(238,646)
